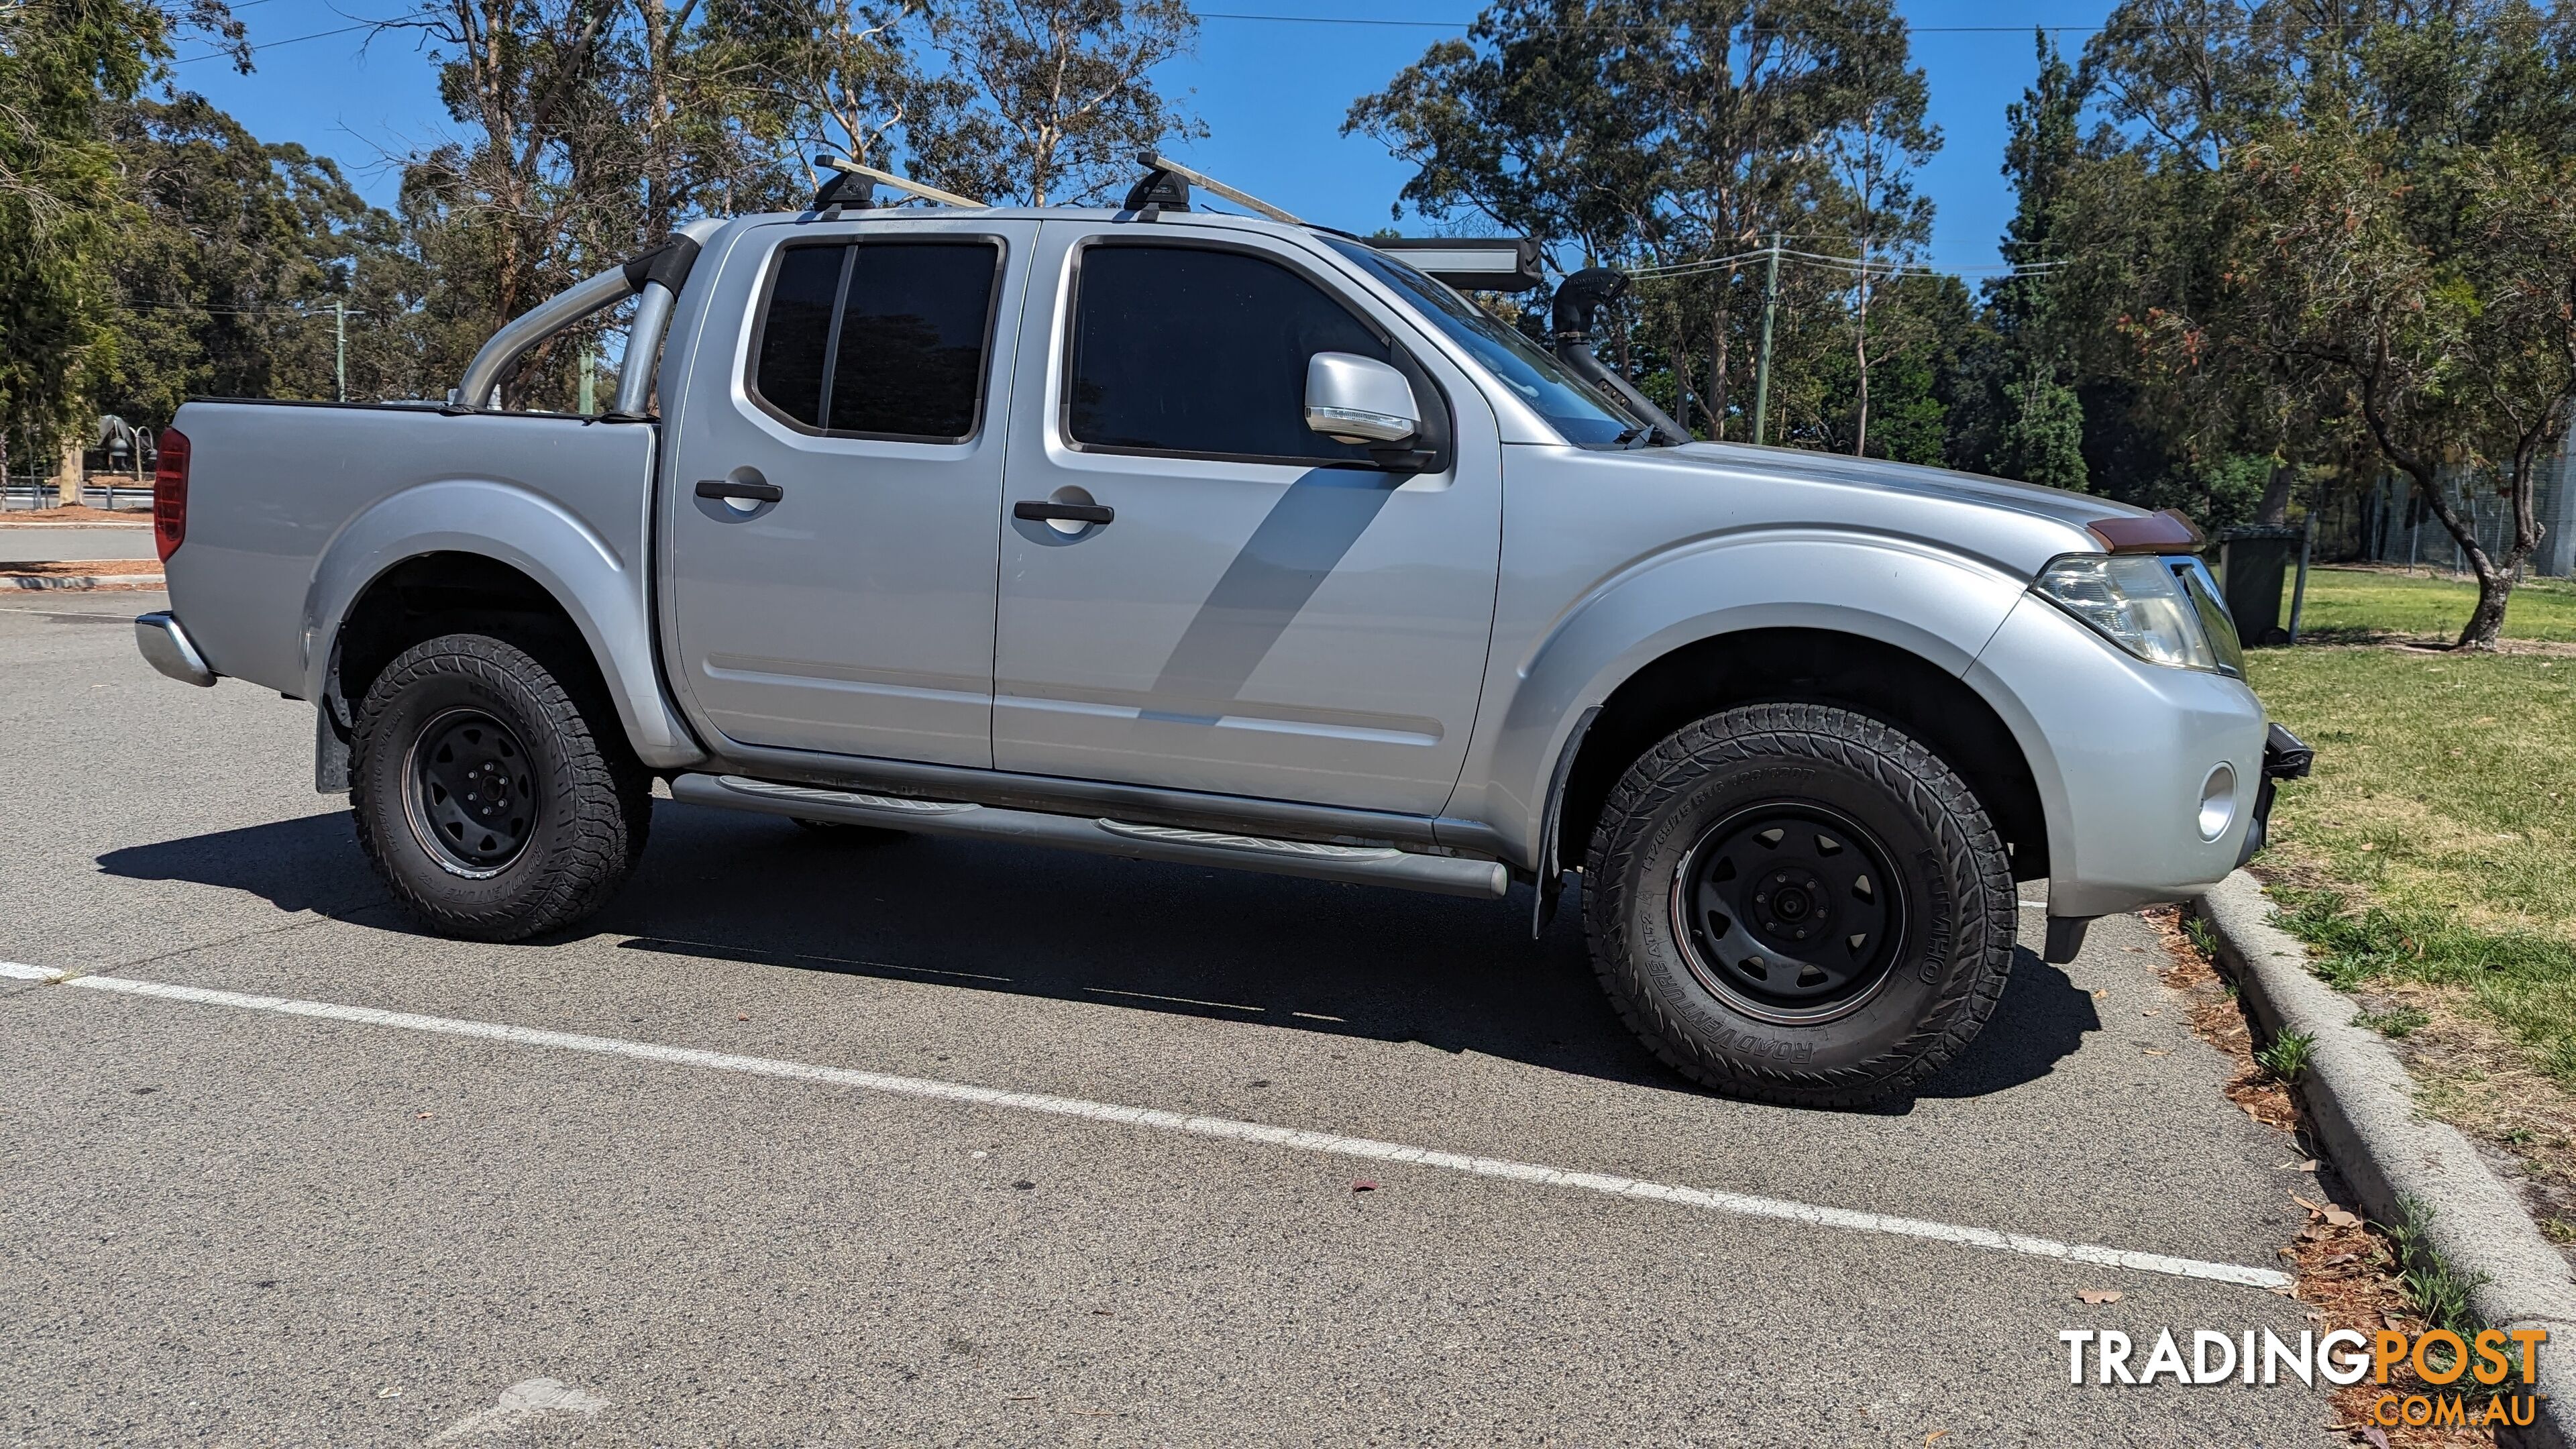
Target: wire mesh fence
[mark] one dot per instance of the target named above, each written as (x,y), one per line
(2391,524)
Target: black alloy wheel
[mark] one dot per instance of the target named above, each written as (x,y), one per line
(1789,912)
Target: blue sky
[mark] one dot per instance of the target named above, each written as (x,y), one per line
(1272,93)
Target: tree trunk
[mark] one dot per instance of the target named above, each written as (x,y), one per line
(1860,355)
(1681,370)
(1715,397)
(2275,507)
(67,471)
(2495,576)
(2496,579)
(658,201)
(2495,590)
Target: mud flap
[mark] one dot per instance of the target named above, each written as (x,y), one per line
(330,746)
(1551,873)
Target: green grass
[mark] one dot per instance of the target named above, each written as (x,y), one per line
(2347,603)
(2436,842)
(2397,1021)
(2439,1291)
(2286,1055)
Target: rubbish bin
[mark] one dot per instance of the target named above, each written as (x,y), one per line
(2254,564)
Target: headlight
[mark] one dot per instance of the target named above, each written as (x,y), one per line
(2136,601)
(2215,622)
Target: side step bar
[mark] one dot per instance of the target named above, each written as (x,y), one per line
(1446,875)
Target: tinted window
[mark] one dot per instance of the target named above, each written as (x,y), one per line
(911,356)
(882,338)
(1186,350)
(792,335)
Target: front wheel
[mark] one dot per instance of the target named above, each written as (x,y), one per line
(1799,904)
(491,801)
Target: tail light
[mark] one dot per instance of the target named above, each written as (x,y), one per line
(170,494)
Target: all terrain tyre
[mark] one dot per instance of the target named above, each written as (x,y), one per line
(1799,904)
(494,802)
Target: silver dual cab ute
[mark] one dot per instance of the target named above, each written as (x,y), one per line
(1233,541)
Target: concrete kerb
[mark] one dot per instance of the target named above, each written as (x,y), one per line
(2363,1106)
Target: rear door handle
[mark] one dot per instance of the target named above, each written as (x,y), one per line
(728,488)
(1041,510)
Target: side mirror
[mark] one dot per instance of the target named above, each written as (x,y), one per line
(1359,400)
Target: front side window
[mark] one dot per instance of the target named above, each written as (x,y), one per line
(1202,352)
(878,339)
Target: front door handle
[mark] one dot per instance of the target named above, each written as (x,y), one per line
(1041,510)
(729,488)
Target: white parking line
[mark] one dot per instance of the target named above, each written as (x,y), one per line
(1222,1128)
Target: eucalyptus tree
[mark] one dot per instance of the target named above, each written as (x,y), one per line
(1749,103)
(1522,122)
(1679,134)
(1882,140)
(808,77)
(541,182)
(1048,101)
(2039,424)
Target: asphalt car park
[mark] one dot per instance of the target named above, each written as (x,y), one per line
(812,1140)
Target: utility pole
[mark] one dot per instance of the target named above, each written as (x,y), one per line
(589,380)
(340,343)
(1762,361)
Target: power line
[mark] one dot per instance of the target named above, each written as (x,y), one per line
(1607,25)
(274,44)
(1667,271)
(279,309)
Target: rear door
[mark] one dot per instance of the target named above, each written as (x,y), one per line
(1266,613)
(837,473)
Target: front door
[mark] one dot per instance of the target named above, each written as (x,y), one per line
(1265,613)
(836,490)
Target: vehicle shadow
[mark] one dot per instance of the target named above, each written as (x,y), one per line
(307,864)
(1225,945)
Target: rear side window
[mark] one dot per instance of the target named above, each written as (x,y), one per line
(797,321)
(878,339)
(1202,352)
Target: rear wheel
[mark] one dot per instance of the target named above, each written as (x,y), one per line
(493,803)
(1800,904)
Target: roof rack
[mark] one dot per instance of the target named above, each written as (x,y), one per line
(831,195)
(1157,193)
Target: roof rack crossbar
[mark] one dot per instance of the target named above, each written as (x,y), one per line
(903,184)
(1201,179)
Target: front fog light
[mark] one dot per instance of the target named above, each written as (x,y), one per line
(2217,802)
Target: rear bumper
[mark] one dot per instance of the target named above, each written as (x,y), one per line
(167,647)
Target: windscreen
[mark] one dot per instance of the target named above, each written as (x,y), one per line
(1578,412)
